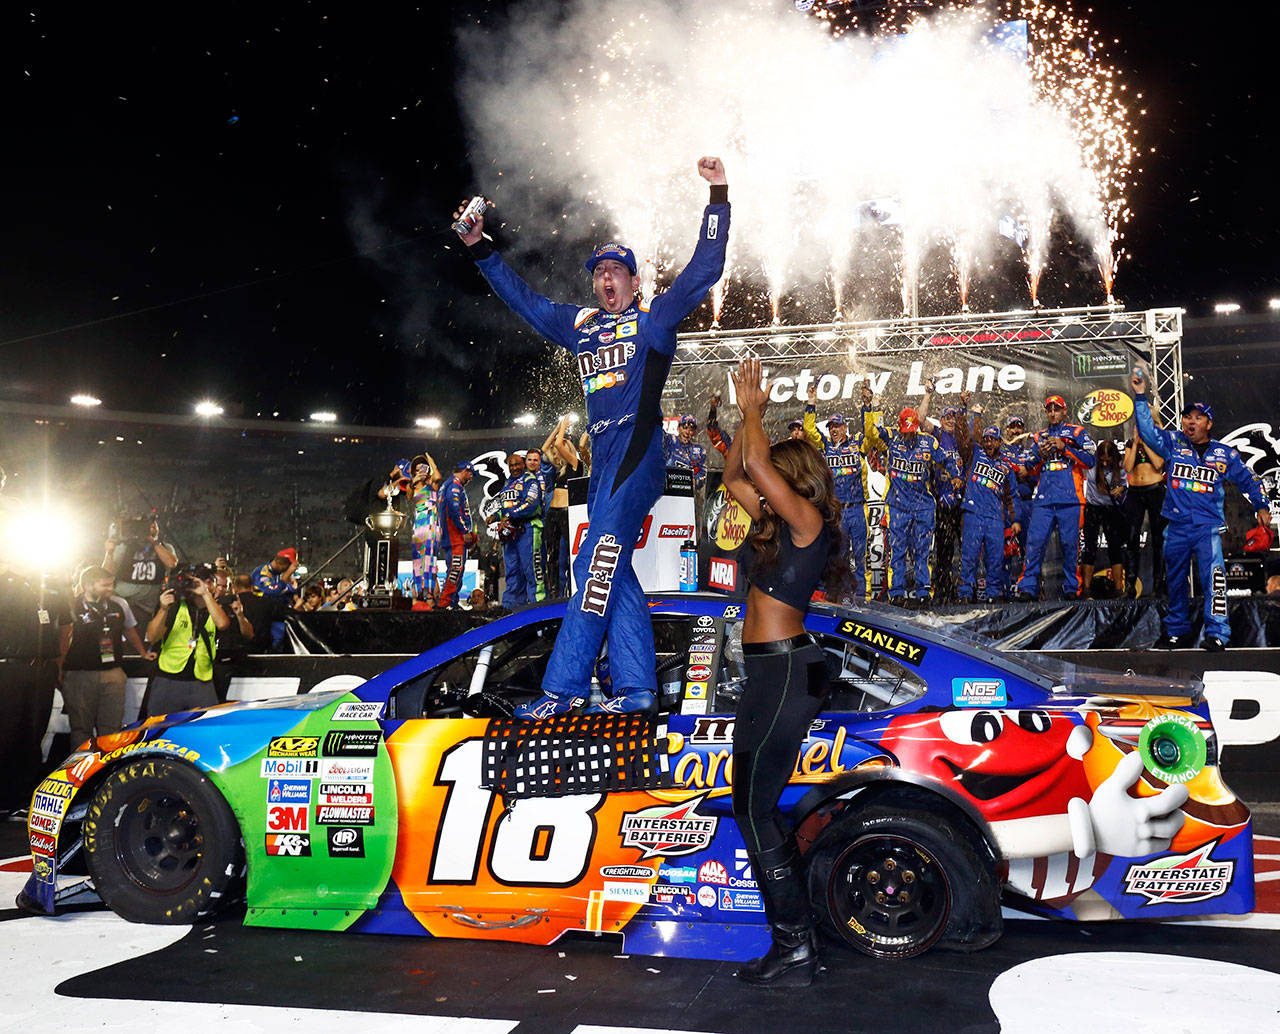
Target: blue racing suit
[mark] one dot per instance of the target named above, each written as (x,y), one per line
(691,456)
(455,526)
(1193,508)
(910,506)
(947,516)
(1058,502)
(267,582)
(520,502)
(988,502)
(623,360)
(1023,454)
(848,470)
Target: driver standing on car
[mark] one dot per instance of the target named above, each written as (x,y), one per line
(623,350)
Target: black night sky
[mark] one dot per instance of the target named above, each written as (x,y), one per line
(252,206)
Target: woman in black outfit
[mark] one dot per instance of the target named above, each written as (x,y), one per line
(795,546)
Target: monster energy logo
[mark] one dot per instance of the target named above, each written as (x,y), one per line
(1097,364)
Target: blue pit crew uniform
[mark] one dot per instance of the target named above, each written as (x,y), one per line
(947,514)
(689,455)
(1058,502)
(910,506)
(272,584)
(456,525)
(1193,509)
(623,360)
(546,475)
(987,505)
(520,502)
(847,464)
(1023,455)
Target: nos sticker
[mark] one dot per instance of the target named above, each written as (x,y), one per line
(979,693)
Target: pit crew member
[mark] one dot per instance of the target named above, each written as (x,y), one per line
(987,501)
(457,532)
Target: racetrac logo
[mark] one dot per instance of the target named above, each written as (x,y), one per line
(676,531)
(669,831)
(1181,879)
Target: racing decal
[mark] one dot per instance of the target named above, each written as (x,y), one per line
(712,730)
(353,743)
(978,692)
(1181,879)
(732,612)
(152,746)
(298,768)
(669,830)
(346,842)
(702,656)
(289,791)
(695,691)
(344,814)
(630,891)
(604,561)
(357,711)
(707,897)
(676,531)
(43,843)
(672,894)
(732,900)
(705,621)
(343,771)
(886,642)
(294,747)
(627,329)
(345,793)
(698,673)
(1218,590)
(713,226)
(291,845)
(626,872)
(678,873)
(287,818)
(723,575)
(712,871)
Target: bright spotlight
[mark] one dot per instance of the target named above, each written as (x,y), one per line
(85,400)
(431,423)
(207,408)
(324,417)
(1226,308)
(1274,304)
(49,538)
(526,420)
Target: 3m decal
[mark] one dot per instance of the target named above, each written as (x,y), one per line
(287,818)
(885,642)
(667,830)
(294,747)
(292,845)
(979,693)
(1181,879)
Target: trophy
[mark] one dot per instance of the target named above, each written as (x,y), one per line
(386,524)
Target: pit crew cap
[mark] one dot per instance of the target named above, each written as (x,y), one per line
(951,411)
(991,431)
(835,418)
(289,553)
(465,465)
(688,418)
(612,250)
(1055,400)
(1015,421)
(1203,407)
(908,421)
(796,425)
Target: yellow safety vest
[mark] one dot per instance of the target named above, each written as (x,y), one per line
(177,647)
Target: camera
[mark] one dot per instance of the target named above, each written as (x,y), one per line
(185,581)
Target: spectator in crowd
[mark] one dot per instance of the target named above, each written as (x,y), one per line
(947,512)
(311,598)
(339,597)
(844,452)
(236,640)
(256,610)
(1064,454)
(1197,467)
(93,677)
(477,601)
(185,629)
(1104,494)
(1144,470)
(35,626)
(987,499)
(1273,587)
(911,456)
(139,560)
(564,455)
(458,533)
(424,503)
(276,582)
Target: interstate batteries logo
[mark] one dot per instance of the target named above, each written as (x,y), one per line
(1181,879)
(669,831)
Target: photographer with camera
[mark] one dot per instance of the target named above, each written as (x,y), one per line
(134,554)
(185,630)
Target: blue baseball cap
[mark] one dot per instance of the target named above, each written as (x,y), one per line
(951,411)
(835,418)
(403,467)
(1015,420)
(688,418)
(1203,407)
(991,432)
(465,465)
(612,250)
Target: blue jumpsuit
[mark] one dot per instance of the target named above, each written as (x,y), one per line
(623,360)
(910,506)
(546,475)
(520,502)
(691,456)
(988,501)
(1024,455)
(947,515)
(847,464)
(455,523)
(1058,502)
(1193,508)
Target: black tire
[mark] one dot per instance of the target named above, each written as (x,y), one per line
(162,843)
(893,882)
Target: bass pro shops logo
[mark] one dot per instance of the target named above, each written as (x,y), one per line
(604,562)
(1181,879)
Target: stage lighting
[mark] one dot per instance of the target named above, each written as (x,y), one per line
(431,423)
(85,400)
(1273,304)
(207,408)
(526,420)
(324,417)
(1226,308)
(43,538)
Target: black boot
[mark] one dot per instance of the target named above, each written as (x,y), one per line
(791,960)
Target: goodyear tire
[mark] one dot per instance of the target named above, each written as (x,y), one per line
(893,882)
(162,843)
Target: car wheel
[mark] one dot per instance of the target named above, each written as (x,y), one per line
(891,882)
(162,843)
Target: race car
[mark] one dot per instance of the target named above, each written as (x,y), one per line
(942,779)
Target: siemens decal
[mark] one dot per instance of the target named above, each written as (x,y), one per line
(950,380)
